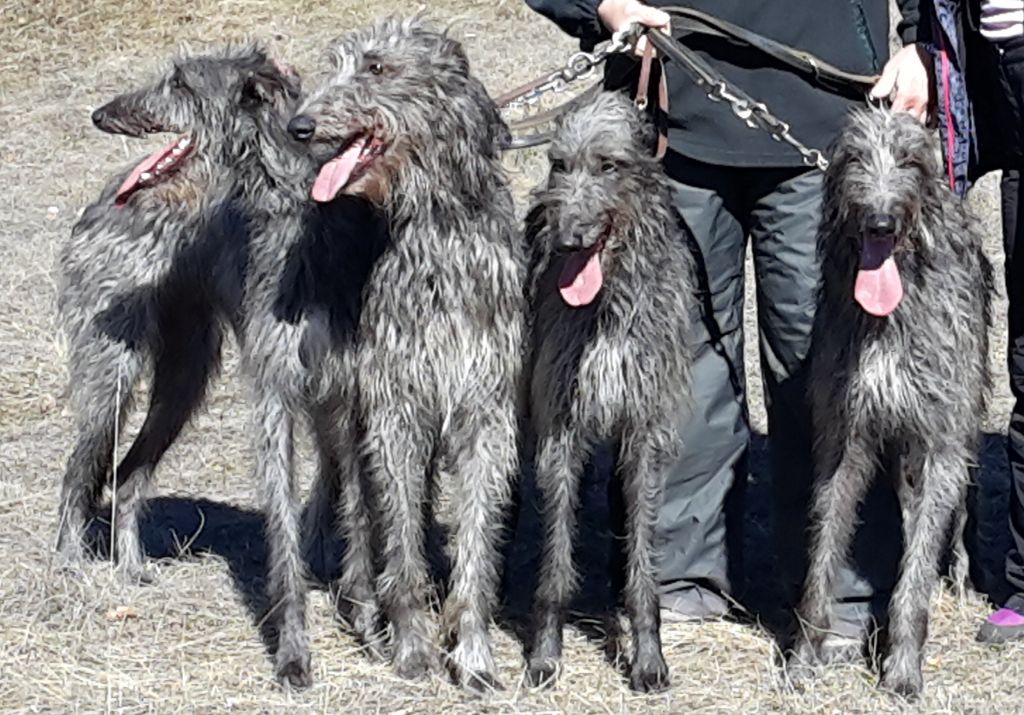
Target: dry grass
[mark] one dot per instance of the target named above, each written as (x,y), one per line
(188,643)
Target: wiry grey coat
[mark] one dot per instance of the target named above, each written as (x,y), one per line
(147,281)
(441,332)
(905,392)
(299,313)
(614,370)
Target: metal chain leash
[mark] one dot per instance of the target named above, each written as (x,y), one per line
(755,114)
(581,65)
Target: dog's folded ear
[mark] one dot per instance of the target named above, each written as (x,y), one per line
(252,92)
(453,51)
(271,82)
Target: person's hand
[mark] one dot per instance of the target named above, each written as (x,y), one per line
(618,14)
(907,81)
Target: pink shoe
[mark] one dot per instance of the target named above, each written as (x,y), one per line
(1002,626)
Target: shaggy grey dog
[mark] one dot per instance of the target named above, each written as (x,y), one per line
(613,289)
(899,369)
(146,281)
(302,299)
(402,122)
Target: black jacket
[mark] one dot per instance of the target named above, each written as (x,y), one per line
(851,34)
(995,90)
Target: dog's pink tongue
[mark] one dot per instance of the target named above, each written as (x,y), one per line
(581,278)
(879,288)
(337,172)
(129,185)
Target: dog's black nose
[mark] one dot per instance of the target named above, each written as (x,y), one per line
(882,224)
(302,127)
(99,117)
(569,240)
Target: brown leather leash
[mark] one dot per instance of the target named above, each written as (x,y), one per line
(643,88)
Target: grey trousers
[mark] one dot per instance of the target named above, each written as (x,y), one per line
(778,209)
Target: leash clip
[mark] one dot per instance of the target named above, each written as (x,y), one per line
(625,39)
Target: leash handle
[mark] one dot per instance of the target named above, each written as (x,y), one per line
(686,20)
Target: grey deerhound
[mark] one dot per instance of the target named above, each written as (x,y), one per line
(403,123)
(899,369)
(146,283)
(302,299)
(612,294)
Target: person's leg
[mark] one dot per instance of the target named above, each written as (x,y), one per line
(691,535)
(1008,622)
(784,220)
(785,213)
(1002,103)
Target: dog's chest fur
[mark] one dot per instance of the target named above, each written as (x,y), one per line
(447,310)
(906,374)
(621,359)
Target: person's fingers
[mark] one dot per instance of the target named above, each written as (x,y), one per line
(651,17)
(886,83)
(648,17)
(914,109)
(912,101)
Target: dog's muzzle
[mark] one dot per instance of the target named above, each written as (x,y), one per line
(100,117)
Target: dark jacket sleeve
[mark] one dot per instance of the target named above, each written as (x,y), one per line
(913,25)
(575,17)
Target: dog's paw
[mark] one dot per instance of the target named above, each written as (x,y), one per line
(70,569)
(839,650)
(542,672)
(472,664)
(414,659)
(650,676)
(69,558)
(136,573)
(376,646)
(478,682)
(364,620)
(903,681)
(294,671)
(803,666)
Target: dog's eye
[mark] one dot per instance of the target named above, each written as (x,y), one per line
(608,167)
(376,68)
(177,81)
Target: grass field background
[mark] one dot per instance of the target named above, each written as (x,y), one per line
(188,643)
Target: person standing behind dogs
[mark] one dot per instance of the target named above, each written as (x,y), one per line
(986,37)
(732,182)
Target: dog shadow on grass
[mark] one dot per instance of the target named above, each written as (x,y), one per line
(184,528)
(174,528)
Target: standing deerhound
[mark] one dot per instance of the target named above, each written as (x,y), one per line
(899,368)
(402,122)
(146,281)
(612,285)
(302,298)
